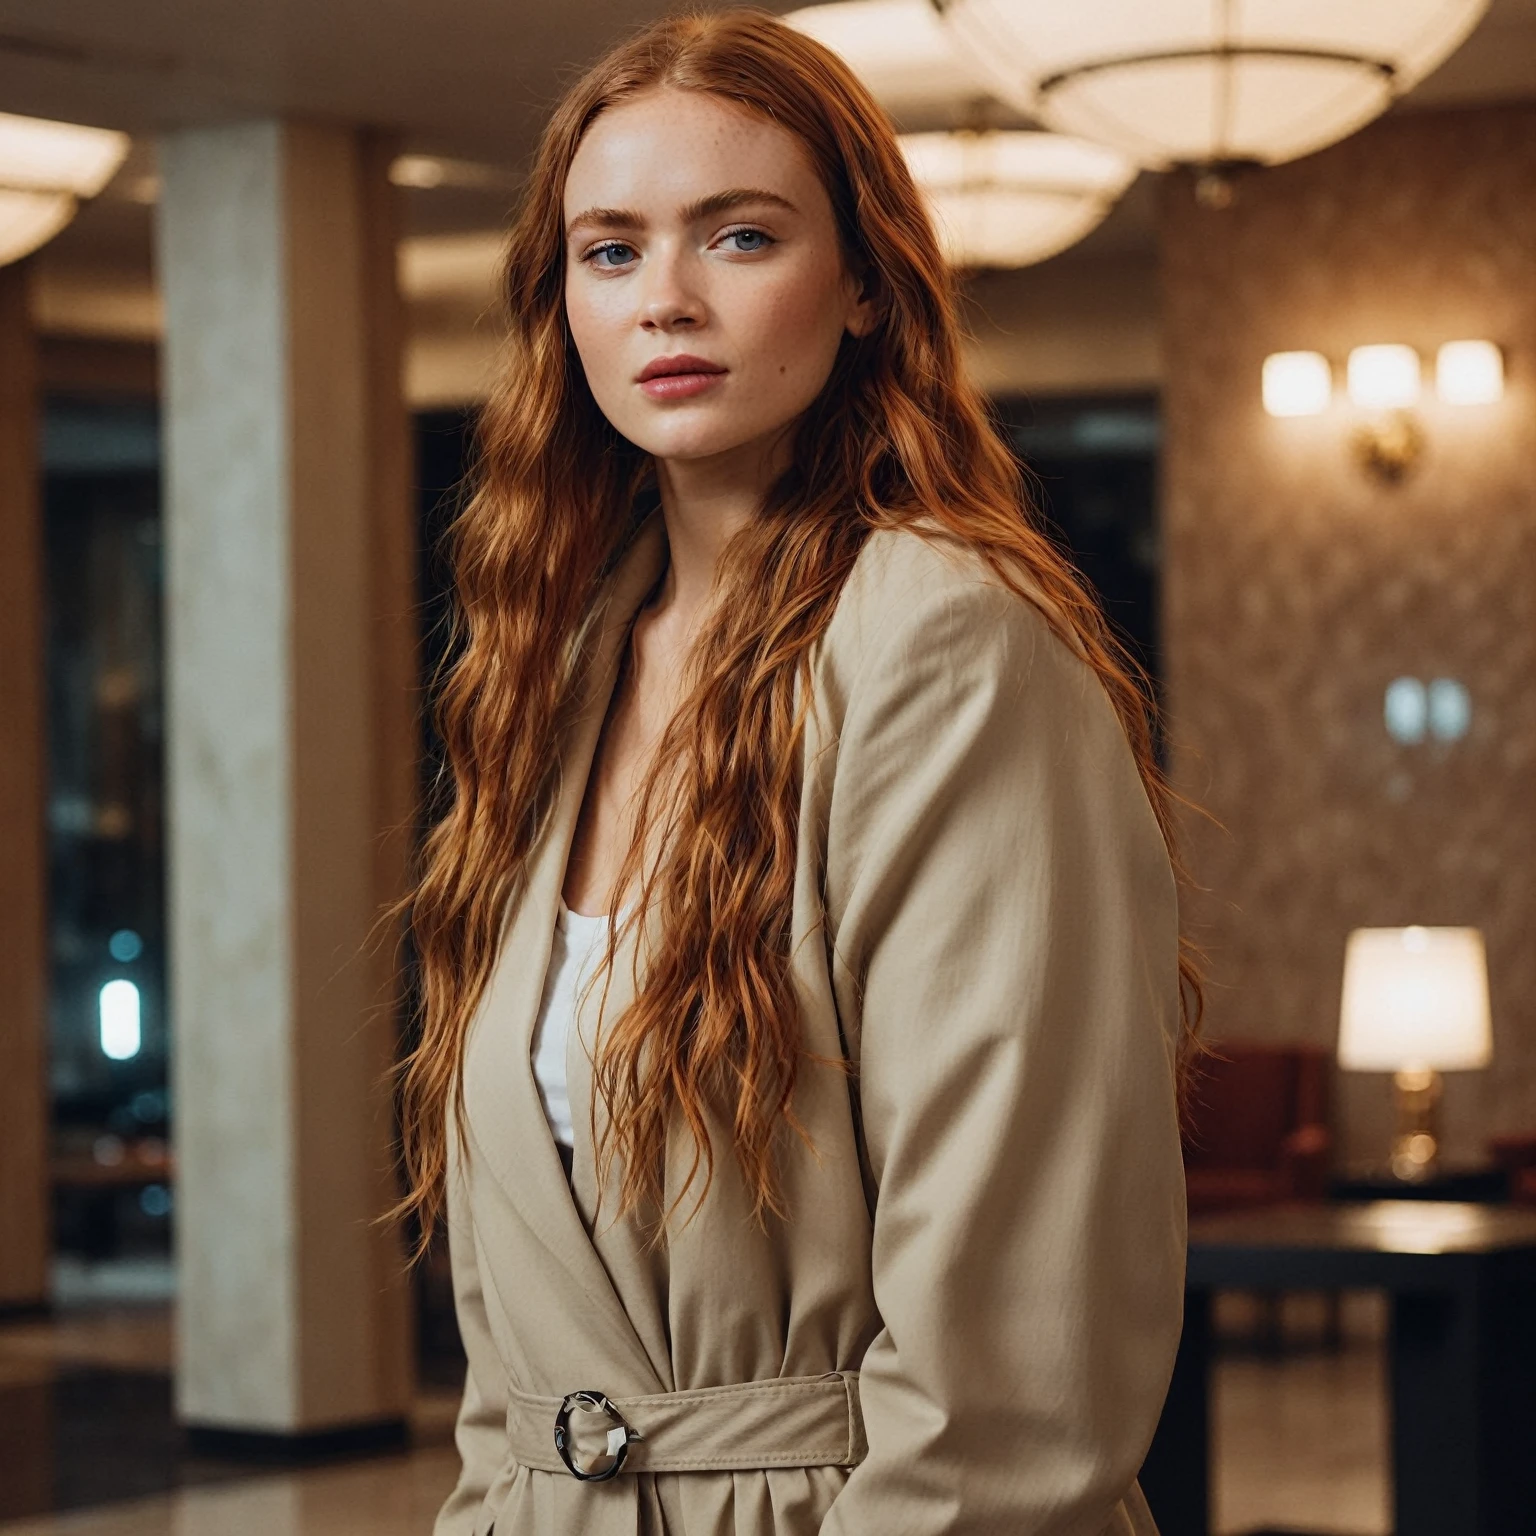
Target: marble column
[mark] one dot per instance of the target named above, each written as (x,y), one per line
(23,886)
(290,743)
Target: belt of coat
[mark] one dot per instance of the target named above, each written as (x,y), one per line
(786,1421)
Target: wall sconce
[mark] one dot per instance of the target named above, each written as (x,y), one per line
(1385,380)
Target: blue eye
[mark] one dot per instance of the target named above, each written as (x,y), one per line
(752,239)
(621,252)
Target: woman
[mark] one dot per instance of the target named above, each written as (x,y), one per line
(807,872)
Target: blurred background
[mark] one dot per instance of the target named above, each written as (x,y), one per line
(1252,289)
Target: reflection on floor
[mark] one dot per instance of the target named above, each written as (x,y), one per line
(86,1422)
(1301,1431)
(1301,1445)
(85,1412)
(85,1419)
(397,1497)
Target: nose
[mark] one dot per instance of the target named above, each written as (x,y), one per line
(671,300)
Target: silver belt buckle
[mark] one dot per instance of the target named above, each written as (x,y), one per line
(619,1434)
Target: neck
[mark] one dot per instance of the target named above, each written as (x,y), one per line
(704,504)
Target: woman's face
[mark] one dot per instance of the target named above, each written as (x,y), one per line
(704,279)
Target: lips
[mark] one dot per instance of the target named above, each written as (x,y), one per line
(680,377)
(668,367)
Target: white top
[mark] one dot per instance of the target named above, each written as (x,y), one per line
(579,944)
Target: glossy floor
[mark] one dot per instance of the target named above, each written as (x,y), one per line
(1300,1445)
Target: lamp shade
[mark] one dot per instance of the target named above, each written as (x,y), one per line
(44,168)
(1297,383)
(30,219)
(1006,199)
(1415,999)
(1208,81)
(1384,376)
(58,157)
(1469,373)
(900,50)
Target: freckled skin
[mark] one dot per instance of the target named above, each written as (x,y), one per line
(758,288)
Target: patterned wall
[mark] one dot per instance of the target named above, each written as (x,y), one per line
(1298,588)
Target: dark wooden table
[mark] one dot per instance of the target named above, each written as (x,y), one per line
(1462,1284)
(1482,1183)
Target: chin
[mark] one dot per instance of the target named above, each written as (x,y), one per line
(692,440)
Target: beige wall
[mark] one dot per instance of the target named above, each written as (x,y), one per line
(1298,589)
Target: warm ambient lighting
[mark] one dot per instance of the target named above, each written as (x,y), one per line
(1009,199)
(1172,82)
(44,168)
(42,156)
(430,172)
(1415,999)
(119,1015)
(29,220)
(1415,1004)
(1297,383)
(452,266)
(999,199)
(901,51)
(1385,381)
(1469,373)
(1384,378)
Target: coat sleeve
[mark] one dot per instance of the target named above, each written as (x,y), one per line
(481,1429)
(1004,921)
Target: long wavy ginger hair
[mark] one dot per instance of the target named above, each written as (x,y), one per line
(897,435)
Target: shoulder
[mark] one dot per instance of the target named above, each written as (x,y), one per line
(921,599)
(961,716)
(900,566)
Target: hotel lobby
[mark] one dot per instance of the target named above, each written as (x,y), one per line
(1251,294)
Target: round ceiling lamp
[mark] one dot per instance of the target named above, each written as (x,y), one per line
(1008,199)
(30,219)
(902,51)
(45,168)
(998,198)
(1208,82)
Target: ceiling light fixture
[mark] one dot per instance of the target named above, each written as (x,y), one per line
(901,51)
(45,168)
(999,198)
(1213,83)
(30,219)
(1008,199)
(430,172)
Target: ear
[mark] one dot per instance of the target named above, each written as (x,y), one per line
(867,307)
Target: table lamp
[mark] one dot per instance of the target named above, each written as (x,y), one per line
(1416,1005)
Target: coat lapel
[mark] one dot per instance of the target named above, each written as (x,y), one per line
(501,1095)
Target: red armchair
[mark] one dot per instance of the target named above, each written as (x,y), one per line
(1516,1155)
(1256,1128)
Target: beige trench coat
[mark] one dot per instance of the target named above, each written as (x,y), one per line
(978,1294)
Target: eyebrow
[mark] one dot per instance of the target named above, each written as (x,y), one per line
(704,208)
